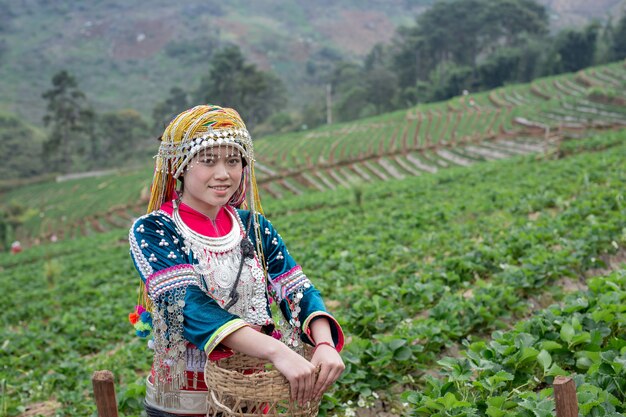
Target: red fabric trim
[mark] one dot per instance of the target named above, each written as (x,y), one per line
(340,337)
(220,352)
(200,384)
(200,223)
(285,274)
(166,270)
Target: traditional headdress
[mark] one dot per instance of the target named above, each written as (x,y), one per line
(195,130)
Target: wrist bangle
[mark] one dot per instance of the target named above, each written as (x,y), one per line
(324,343)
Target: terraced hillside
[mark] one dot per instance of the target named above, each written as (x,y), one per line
(506,122)
(498,124)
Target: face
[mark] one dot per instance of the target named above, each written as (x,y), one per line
(211,179)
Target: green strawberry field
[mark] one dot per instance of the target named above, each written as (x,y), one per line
(464,292)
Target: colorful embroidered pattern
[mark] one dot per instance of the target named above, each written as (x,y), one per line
(178,276)
(290,282)
(221,333)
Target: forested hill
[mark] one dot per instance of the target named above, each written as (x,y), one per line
(129,55)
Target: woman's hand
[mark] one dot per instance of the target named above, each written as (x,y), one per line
(299,372)
(331,367)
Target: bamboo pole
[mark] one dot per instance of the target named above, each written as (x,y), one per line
(565,397)
(104,393)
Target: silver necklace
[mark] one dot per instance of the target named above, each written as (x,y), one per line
(221,244)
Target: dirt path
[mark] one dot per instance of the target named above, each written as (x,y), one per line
(362,174)
(454,158)
(420,164)
(390,168)
(405,166)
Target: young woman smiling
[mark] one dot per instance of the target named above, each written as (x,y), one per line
(211,265)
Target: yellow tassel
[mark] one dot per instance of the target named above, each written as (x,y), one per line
(255,190)
(163,186)
(142,297)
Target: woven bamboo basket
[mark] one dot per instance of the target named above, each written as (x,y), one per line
(244,386)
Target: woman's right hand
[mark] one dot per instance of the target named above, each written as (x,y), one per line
(300,373)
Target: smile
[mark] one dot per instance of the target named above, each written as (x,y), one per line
(219,187)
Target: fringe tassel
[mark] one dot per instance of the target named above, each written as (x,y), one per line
(255,190)
(163,185)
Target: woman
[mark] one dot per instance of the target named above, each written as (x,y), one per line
(210,271)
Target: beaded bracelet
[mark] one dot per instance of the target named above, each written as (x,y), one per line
(324,343)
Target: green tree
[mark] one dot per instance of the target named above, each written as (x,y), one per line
(605,44)
(345,77)
(165,111)
(23,144)
(120,133)
(450,81)
(619,39)
(233,82)
(463,32)
(381,83)
(381,87)
(348,91)
(532,56)
(499,67)
(71,122)
(12,216)
(353,104)
(510,22)
(575,49)
(451,30)
(314,112)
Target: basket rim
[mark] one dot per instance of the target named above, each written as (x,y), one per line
(310,409)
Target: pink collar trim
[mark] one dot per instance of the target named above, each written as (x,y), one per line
(200,223)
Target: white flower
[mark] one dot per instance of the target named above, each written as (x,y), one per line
(349,413)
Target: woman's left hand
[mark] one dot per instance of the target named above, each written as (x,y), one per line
(331,366)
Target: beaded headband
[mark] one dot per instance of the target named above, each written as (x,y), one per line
(179,154)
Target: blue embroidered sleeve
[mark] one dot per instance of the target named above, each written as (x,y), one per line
(154,245)
(174,287)
(299,300)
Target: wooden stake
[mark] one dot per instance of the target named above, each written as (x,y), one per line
(104,393)
(565,397)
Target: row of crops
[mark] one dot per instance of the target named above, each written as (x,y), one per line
(414,269)
(507,121)
(510,375)
(503,123)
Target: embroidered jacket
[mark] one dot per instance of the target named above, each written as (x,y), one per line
(183,298)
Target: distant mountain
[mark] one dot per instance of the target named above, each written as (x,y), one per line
(566,13)
(129,54)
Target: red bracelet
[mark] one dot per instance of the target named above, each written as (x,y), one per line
(324,343)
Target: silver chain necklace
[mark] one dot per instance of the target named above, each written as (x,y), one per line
(221,244)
